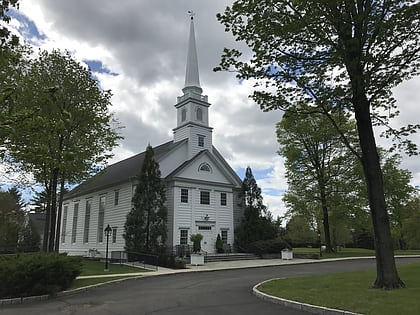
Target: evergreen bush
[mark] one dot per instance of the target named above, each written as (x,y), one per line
(268,246)
(37,274)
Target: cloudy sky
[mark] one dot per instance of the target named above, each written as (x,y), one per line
(137,48)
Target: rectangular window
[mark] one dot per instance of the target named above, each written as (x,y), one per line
(200,141)
(87,221)
(74,226)
(116,197)
(64,225)
(183,240)
(184,195)
(204,227)
(224,236)
(101,217)
(223,199)
(114,235)
(204,197)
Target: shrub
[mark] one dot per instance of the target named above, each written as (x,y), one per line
(196,239)
(36,274)
(268,246)
(219,244)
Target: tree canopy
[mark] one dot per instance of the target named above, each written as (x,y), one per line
(334,56)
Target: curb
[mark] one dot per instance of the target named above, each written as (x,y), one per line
(314,309)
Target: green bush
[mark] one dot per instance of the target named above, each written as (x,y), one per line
(36,274)
(268,246)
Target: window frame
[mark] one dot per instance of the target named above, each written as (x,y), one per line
(200,141)
(74,223)
(204,197)
(184,195)
(223,199)
(183,239)
(88,207)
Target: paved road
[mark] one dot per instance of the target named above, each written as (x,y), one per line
(222,292)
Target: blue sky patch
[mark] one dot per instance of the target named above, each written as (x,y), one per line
(27,28)
(97,66)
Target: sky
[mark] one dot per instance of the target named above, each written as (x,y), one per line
(138,49)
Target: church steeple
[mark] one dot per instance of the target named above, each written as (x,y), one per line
(192,107)
(192,77)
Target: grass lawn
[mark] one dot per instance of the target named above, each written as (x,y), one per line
(95,267)
(79,283)
(351,252)
(351,292)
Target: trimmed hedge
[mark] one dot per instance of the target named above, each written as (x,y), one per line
(37,274)
(268,246)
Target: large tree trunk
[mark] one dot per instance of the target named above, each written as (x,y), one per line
(53,212)
(60,209)
(387,275)
(325,218)
(46,237)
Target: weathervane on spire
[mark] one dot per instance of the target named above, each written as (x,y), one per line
(191,13)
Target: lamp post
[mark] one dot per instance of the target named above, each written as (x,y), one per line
(107,231)
(320,245)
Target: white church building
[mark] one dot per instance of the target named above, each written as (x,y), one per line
(203,191)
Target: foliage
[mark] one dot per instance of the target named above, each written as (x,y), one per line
(318,168)
(16,232)
(257,223)
(268,246)
(71,131)
(219,244)
(36,274)
(196,239)
(299,232)
(145,227)
(334,56)
(410,226)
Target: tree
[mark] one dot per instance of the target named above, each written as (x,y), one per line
(145,227)
(299,232)
(71,133)
(256,223)
(317,162)
(334,56)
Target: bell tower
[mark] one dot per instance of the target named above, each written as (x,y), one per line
(192,107)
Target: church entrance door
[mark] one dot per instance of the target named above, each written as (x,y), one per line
(208,244)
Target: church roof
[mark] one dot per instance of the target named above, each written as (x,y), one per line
(120,171)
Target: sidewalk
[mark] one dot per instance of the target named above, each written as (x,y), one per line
(210,266)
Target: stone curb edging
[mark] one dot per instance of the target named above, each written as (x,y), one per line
(314,309)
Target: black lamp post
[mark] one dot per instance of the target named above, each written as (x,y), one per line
(107,231)
(320,245)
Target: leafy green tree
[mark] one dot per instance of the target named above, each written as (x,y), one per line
(317,161)
(256,223)
(71,133)
(334,56)
(300,232)
(145,227)
(411,223)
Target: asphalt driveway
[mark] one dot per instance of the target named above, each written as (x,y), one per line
(212,292)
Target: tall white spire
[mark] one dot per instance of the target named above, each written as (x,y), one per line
(192,78)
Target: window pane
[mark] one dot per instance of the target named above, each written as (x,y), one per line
(224,236)
(87,221)
(183,237)
(101,217)
(184,195)
(116,197)
(223,201)
(63,228)
(74,227)
(114,235)
(201,141)
(204,197)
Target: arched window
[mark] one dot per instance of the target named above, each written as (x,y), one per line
(183,114)
(199,114)
(204,167)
